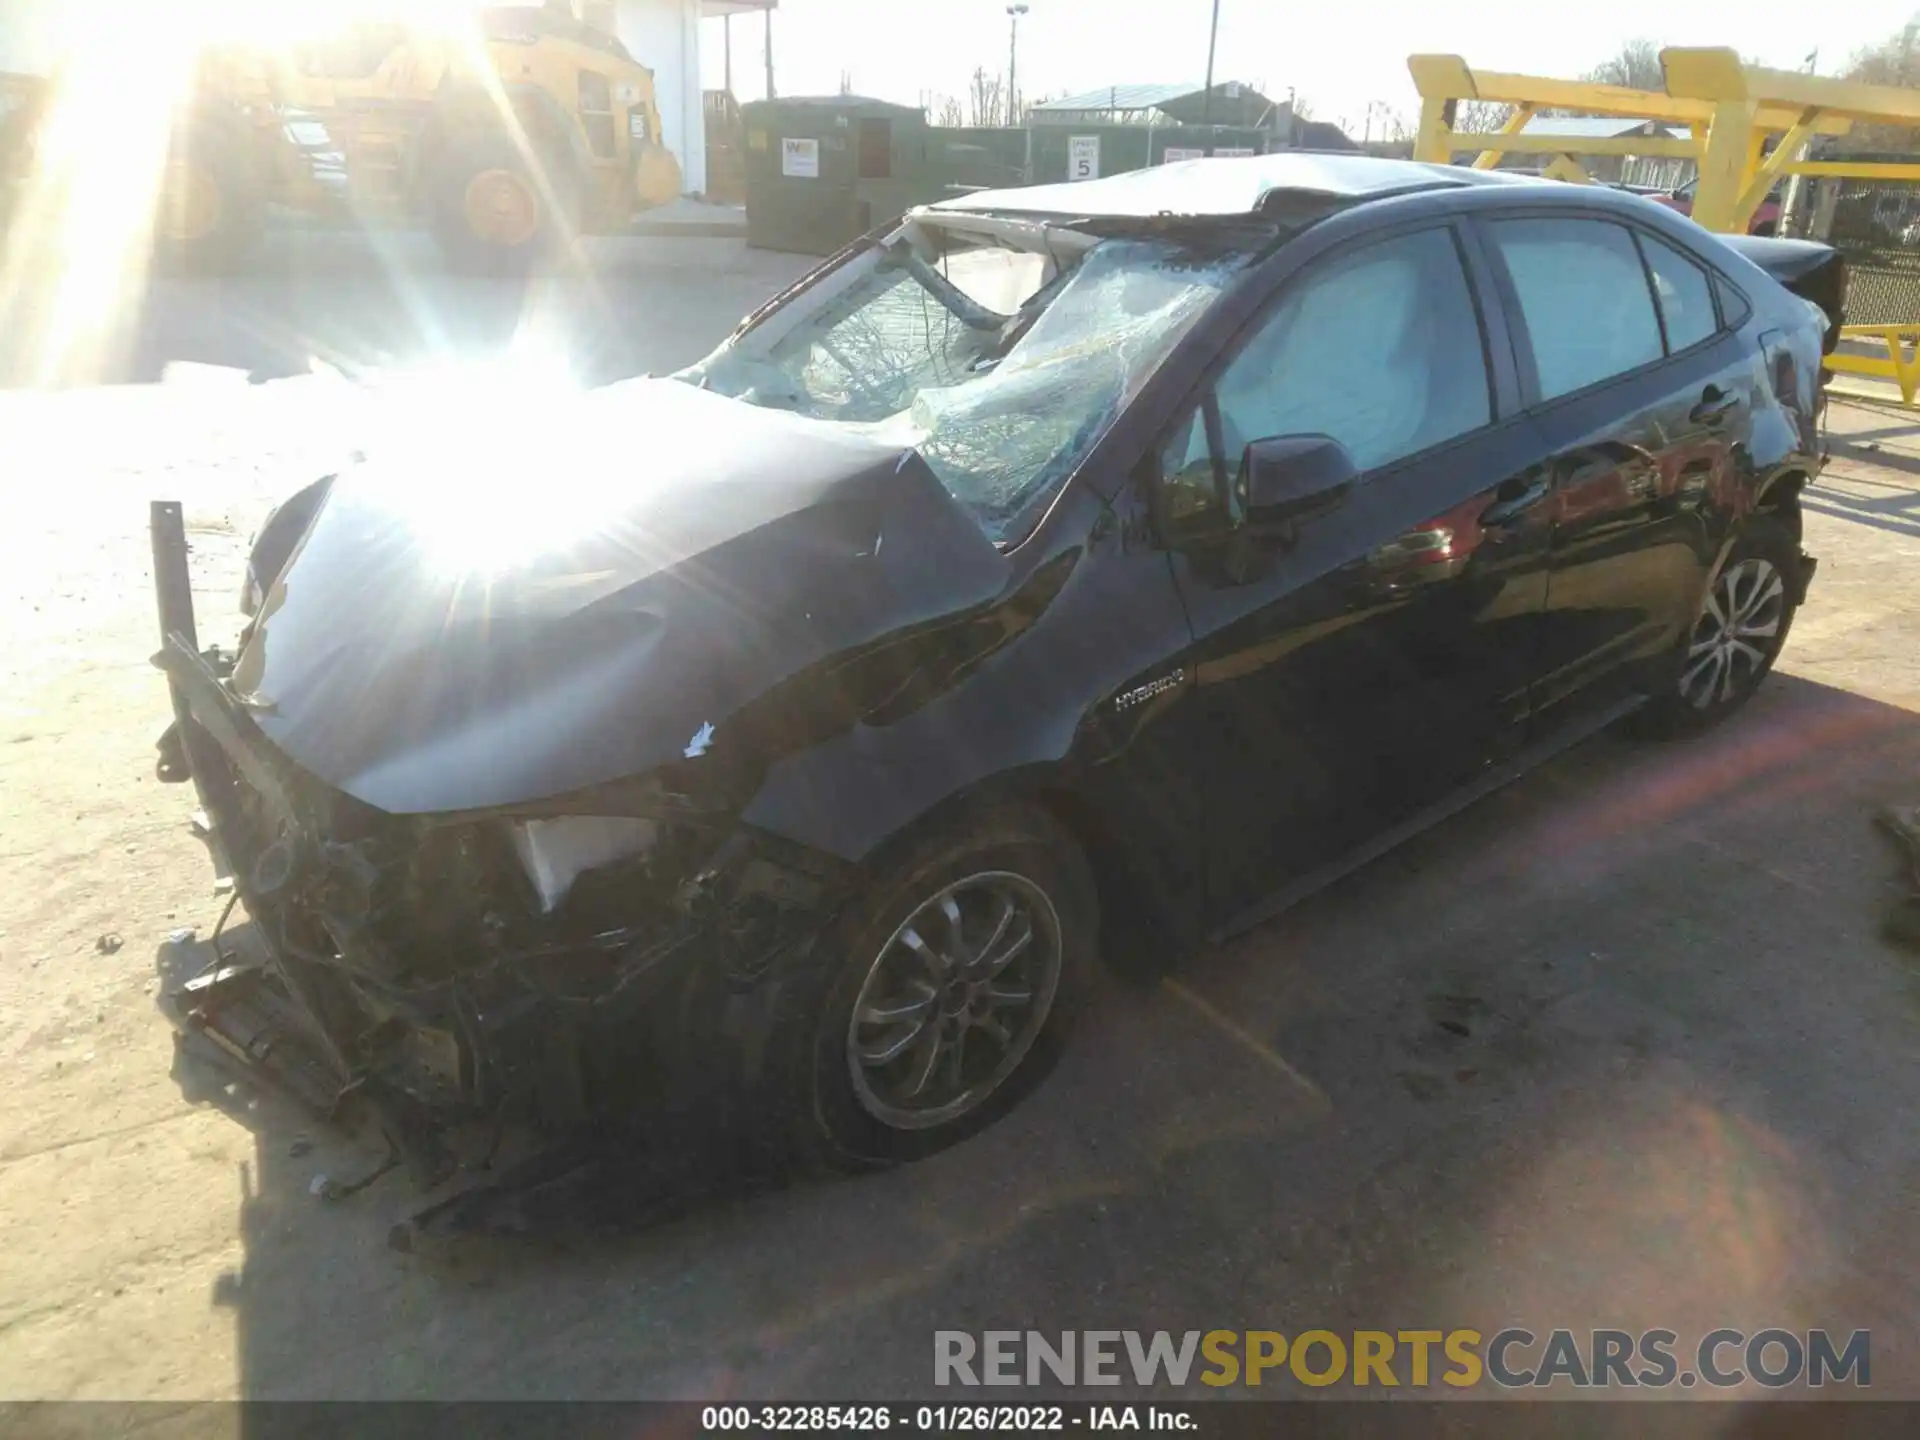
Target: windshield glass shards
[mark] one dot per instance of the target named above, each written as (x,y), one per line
(1003,364)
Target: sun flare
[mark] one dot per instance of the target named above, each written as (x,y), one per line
(104,176)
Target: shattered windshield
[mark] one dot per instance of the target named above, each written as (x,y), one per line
(1003,365)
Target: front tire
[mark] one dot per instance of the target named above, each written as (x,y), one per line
(946,995)
(1743,624)
(211,205)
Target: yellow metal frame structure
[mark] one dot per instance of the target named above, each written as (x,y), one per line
(1900,365)
(1747,127)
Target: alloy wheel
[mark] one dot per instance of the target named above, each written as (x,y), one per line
(1737,633)
(954,1000)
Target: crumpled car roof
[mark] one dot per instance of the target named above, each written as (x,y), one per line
(1231,185)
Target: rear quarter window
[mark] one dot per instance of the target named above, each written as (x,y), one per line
(1685,294)
(1734,308)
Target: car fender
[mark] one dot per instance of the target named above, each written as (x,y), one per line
(280,534)
(1029,714)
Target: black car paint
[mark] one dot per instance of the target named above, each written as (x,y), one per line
(1814,271)
(603,642)
(1211,727)
(1222,719)
(274,542)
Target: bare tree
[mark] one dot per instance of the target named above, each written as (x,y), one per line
(1894,61)
(1636,66)
(952,117)
(846,82)
(987,98)
(1480,117)
(1395,135)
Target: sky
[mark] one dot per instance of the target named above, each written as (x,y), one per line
(1339,56)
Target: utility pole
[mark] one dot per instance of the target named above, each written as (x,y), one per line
(768,14)
(1014,12)
(1792,223)
(727,38)
(1206,100)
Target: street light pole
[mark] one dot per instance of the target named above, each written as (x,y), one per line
(1206,98)
(1014,12)
(768,14)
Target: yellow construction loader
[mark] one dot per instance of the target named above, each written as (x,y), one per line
(502,141)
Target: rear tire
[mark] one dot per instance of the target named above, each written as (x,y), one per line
(493,213)
(1743,623)
(970,1015)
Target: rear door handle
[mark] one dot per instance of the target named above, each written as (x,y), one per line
(1715,405)
(1510,509)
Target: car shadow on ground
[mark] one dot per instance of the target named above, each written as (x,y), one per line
(1890,507)
(1619,1047)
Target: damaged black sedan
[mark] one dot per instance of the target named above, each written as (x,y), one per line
(1078,571)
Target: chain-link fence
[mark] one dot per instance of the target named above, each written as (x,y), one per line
(1876,224)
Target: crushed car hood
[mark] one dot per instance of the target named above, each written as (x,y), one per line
(552,601)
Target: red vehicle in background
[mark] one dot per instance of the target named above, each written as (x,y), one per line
(1766,219)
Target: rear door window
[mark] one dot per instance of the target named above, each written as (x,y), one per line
(1584,298)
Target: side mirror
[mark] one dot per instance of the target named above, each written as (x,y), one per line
(1286,478)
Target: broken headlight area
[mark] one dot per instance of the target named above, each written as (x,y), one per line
(567,972)
(555,853)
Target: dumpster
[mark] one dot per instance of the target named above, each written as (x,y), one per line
(822,170)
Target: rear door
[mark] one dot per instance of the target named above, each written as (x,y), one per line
(1640,395)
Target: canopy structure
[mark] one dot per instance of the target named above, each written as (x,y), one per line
(1230,103)
(1746,126)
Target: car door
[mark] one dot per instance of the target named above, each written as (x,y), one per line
(1640,395)
(1373,656)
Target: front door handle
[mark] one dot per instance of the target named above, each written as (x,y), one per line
(1715,405)
(1508,509)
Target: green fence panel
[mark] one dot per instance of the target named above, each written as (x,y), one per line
(822,171)
(1086,152)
